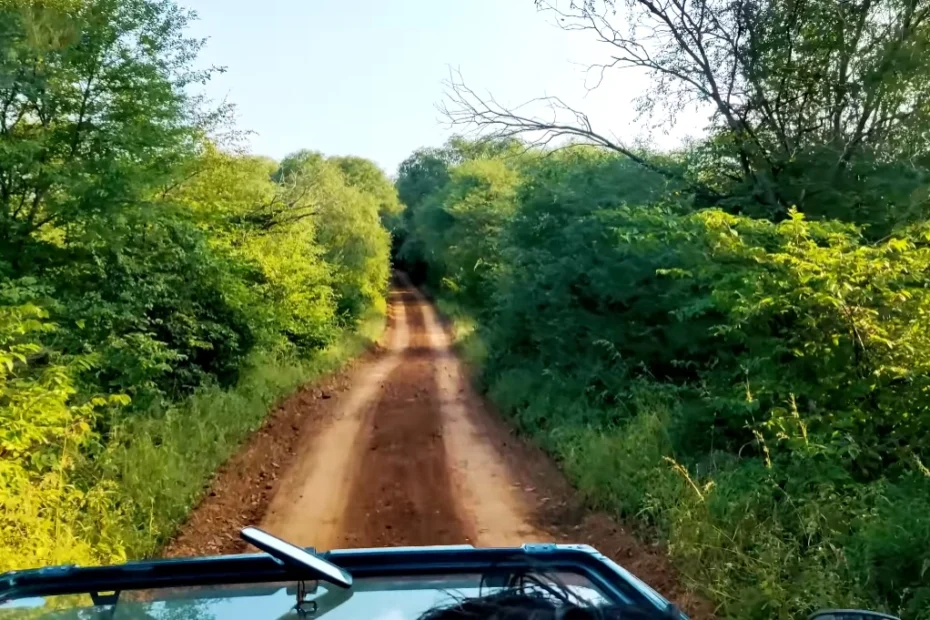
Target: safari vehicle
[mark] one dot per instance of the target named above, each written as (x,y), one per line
(286,581)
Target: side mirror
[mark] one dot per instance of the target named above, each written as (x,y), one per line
(850,614)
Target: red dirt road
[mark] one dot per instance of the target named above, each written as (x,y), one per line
(399,450)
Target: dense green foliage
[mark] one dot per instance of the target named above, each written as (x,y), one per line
(157,292)
(753,390)
(728,343)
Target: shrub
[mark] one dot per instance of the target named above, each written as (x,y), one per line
(43,427)
(752,392)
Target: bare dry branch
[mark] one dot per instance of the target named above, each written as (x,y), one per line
(485,116)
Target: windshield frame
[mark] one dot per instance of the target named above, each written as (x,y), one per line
(616,583)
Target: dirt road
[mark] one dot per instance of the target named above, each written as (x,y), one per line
(399,450)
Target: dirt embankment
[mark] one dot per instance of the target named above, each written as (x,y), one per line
(399,450)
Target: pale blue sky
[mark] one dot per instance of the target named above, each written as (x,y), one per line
(362,77)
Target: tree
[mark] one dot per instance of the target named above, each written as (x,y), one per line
(366,176)
(794,86)
(268,227)
(93,109)
(422,174)
(460,226)
(347,225)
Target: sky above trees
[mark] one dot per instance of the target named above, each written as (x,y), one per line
(364,77)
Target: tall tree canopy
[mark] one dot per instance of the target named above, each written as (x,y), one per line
(808,98)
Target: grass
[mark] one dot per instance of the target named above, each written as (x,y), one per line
(466,339)
(128,498)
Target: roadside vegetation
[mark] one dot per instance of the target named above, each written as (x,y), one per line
(159,289)
(727,345)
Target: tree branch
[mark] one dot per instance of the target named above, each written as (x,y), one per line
(494,120)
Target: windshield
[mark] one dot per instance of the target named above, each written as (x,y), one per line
(377,598)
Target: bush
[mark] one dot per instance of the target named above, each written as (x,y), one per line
(749,309)
(151,299)
(104,500)
(750,391)
(43,427)
(460,227)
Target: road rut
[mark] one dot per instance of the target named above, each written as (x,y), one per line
(402,463)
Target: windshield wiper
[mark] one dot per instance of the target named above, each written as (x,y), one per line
(293,556)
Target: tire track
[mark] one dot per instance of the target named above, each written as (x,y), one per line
(402,494)
(312,497)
